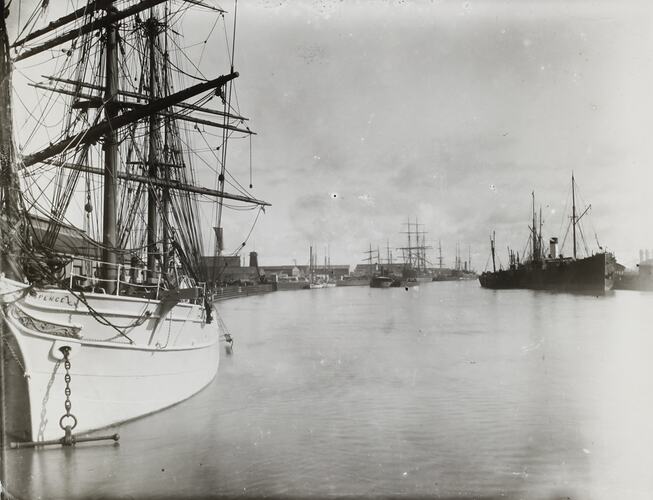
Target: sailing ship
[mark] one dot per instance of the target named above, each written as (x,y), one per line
(328,271)
(104,311)
(378,275)
(594,273)
(415,269)
(315,281)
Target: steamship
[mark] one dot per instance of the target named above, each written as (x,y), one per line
(593,274)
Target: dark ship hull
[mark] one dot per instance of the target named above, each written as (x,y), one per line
(592,274)
(348,281)
(381,282)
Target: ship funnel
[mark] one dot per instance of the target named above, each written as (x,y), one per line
(553,248)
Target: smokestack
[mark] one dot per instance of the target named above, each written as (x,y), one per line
(253,259)
(641,255)
(553,247)
(219,242)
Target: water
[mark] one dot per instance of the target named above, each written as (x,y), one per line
(446,390)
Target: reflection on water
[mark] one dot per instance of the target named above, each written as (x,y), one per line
(445,390)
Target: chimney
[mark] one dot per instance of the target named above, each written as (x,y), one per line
(253,259)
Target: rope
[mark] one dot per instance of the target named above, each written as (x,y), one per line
(242,245)
(250,162)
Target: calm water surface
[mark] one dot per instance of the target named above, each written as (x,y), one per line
(445,390)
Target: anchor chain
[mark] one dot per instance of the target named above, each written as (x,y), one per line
(67,439)
(68,421)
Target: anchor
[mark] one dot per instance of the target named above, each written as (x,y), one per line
(68,421)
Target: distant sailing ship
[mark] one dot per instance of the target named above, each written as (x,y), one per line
(378,275)
(595,273)
(314,281)
(416,264)
(126,321)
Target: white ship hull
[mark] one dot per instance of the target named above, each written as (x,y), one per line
(163,361)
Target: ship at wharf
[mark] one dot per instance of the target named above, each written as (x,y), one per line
(594,273)
(118,296)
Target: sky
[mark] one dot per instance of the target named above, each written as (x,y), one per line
(372,113)
(448,113)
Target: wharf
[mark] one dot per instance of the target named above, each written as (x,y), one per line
(236,291)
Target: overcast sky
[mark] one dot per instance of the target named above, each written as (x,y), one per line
(371,112)
(452,112)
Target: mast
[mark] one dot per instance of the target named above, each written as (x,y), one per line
(421,247)
(494,265)
(151,28)
(573,210)
(469,258)
(109,228)
(440,254)
(329,270)
(9,185)
(534,229)
(226,104)
(418,256)
(370,259)
(166,130)
(410,250)
(539,238)
(8,211)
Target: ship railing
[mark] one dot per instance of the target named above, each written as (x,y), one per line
(84,274)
